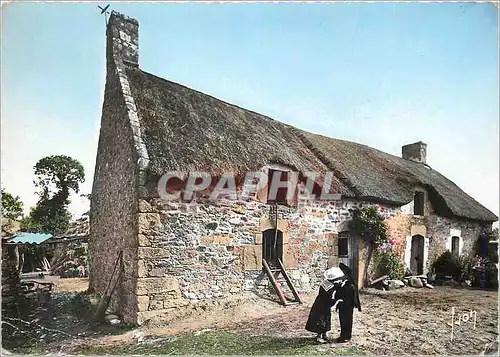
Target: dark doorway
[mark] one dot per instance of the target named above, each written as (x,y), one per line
(347,252)
(455,244)
(417,254)
(272,246)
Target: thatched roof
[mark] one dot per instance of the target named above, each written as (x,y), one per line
(187,130)
(78,229)
(378,175)
(10,227)
(190,131)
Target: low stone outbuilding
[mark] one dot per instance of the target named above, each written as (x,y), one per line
(177,254)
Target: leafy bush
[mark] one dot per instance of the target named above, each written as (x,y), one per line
(491,253)
(487,271)
(389,263)
(448,264)
(369,224)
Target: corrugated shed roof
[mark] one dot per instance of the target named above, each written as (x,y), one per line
(31,238)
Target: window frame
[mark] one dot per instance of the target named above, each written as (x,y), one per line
(346,239)
(456,240)
(421,211)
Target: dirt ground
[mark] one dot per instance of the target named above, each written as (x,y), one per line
(407,321)
(70,284)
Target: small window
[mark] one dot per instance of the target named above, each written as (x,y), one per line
(455,245)
(343,247)
(281,194)
(418,203)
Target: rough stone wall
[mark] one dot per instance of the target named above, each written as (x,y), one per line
(439,229)
(120,160)
(208,251)
(11,283)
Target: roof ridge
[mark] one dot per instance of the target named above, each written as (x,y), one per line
(296,129)
(327,162)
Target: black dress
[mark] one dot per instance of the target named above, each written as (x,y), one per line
(350,300)
(320,317)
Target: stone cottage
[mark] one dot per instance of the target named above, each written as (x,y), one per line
(177,255)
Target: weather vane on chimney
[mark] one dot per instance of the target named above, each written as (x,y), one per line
(104,10)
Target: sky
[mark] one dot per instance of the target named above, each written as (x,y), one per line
(382,74)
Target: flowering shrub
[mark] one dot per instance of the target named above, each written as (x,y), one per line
(370,225)
(388,258)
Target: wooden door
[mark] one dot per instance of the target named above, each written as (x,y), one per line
(417,255)
(347,251)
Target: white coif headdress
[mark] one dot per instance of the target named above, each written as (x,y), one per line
(333,273)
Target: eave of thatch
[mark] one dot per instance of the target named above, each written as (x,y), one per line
(188,130)
(376,174)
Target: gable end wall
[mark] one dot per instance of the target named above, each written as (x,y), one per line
(120,170)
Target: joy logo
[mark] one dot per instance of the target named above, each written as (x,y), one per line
(466,317)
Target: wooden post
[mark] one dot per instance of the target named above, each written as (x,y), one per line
(108,293)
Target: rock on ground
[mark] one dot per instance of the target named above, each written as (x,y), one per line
(395,284)
(416,282)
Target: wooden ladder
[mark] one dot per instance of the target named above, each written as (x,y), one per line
(273,275)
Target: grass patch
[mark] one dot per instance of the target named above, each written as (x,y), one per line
(220,343)
(69,313)
(79,306)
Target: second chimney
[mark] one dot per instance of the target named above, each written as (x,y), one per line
(416,152)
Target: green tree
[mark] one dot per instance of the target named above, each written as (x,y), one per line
(369,224)
(57,176)
(12,207)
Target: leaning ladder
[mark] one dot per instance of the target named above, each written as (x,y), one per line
(274,272)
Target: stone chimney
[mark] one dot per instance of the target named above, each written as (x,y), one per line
(415,152)
(123,39)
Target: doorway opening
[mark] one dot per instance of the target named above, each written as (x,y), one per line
(272,247)
(347,252)
(455,245)
(417,254)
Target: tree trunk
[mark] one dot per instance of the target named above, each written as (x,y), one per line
(16,258)
(21,264)
(367,264)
